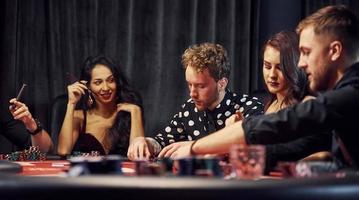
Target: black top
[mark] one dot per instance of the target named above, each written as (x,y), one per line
(12,130)
(86,143)
(335,110)
(190,124)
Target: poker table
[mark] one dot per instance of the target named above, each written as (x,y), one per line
(46,180)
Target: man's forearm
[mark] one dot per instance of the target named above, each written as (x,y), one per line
(220,141)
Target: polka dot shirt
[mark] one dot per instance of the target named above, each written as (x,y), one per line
(191,124)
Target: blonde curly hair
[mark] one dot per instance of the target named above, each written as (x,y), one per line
(207,56)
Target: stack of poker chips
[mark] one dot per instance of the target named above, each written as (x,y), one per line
(31,154)
(315,168)
(198,166)
(83,154)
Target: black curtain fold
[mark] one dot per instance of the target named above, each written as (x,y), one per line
(310,6)
(42,40)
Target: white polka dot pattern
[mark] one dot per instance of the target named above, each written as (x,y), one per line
(228,102)
(241,109)
(228,113)
(196,133)
(190,123)
(168,129)
(185,114)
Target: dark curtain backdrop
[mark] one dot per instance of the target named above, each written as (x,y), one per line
(41,40)
(310,6)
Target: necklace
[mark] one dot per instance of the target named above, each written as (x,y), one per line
(275,107)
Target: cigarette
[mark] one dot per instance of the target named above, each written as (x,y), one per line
(21,92)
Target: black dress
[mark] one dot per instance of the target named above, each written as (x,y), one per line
(86,143)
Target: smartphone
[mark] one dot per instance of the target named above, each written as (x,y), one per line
(85,100)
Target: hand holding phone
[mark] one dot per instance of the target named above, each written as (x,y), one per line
(78,91)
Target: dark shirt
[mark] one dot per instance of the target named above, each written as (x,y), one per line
(12,131)
(191,124)
(335,110)
(297,149)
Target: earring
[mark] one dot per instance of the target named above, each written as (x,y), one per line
(89,100)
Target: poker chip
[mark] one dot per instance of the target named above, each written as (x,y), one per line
(31,154)
(198,166)
(85,165)
(85,154)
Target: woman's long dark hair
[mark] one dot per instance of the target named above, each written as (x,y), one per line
(119,133)
(286,42)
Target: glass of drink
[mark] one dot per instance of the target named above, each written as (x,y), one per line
(248,162)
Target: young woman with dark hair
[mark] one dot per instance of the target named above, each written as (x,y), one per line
(287,85)
(285,82)
(110,114)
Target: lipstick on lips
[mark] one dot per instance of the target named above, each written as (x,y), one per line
(273,83)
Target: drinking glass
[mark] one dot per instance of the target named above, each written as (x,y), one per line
(248,162)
